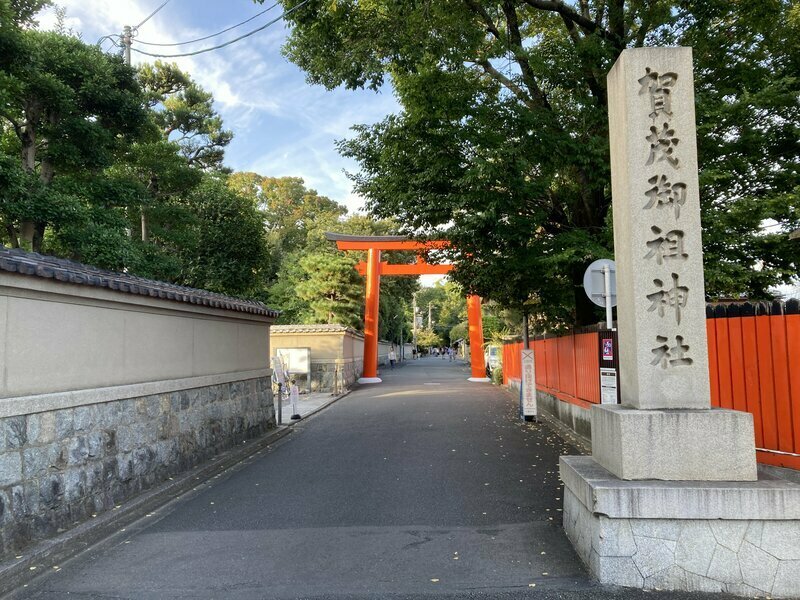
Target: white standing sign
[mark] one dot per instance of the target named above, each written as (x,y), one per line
(608,386)
(277,366)
(528,389)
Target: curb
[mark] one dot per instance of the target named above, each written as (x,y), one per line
(318,409)
(583,445)
(43,556)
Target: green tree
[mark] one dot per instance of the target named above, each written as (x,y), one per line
(184,113)
(332,289)
(226,251)
(501,145)
(66,110)
(428,338)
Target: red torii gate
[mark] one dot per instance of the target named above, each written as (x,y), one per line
(374,268)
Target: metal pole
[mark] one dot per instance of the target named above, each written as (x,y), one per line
(414,325)
(607,295)
(280,404)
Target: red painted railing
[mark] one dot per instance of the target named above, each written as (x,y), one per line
(752,350)
(567,367)
(754,365)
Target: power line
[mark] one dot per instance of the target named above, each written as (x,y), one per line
(200,39)
(241,37)
(152,14)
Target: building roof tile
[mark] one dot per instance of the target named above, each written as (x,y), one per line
(67,271)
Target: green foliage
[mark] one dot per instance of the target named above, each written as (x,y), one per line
(501,145)
(459,332)
(66,109)
(332,289)
(497,375)
(227,251)
(428,338)
(448,307)
(747,90)
(184,114)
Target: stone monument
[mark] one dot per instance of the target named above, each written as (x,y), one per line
(671,497)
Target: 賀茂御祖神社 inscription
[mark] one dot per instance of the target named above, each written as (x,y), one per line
(657,232)
(667,356)
(659,88)
(664,193)
(667,245)
(662,146)
(675,298)
(663,143)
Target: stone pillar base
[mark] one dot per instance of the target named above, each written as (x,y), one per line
(737,537)
(674,444)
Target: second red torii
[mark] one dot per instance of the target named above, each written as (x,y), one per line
(373,268)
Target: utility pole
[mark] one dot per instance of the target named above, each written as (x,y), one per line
(526,342)
(127,38)
(430,305)
(414,324)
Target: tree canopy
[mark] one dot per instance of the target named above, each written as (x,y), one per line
(502,141)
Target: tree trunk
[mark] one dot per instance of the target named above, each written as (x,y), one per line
(13,235)
(145,233)
(27,139)
(46,174)
(586,312)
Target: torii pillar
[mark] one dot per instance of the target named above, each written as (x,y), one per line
(374,268)
(371,307)
(475,320)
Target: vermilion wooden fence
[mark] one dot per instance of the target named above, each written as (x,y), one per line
(754,366)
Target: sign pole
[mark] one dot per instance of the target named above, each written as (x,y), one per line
(607,292)
(528,386)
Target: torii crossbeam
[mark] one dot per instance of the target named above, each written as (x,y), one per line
(374,268)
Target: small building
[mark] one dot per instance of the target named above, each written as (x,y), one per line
(336,354)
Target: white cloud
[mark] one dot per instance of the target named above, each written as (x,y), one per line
(282,125)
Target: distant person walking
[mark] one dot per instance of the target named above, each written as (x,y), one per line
(392,357)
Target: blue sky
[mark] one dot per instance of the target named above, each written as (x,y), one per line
(283,126)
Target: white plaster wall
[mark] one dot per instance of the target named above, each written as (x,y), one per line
(58,337)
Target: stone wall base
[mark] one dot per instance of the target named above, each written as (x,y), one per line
(569,419)
(737,537)
(60,467)
(335,376)
(714,444)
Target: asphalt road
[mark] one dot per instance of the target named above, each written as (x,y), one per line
(424,486)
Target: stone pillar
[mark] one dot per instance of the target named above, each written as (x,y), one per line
(660,287)
(661,312)
(670,497)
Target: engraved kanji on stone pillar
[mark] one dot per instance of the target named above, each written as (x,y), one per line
(657,235)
